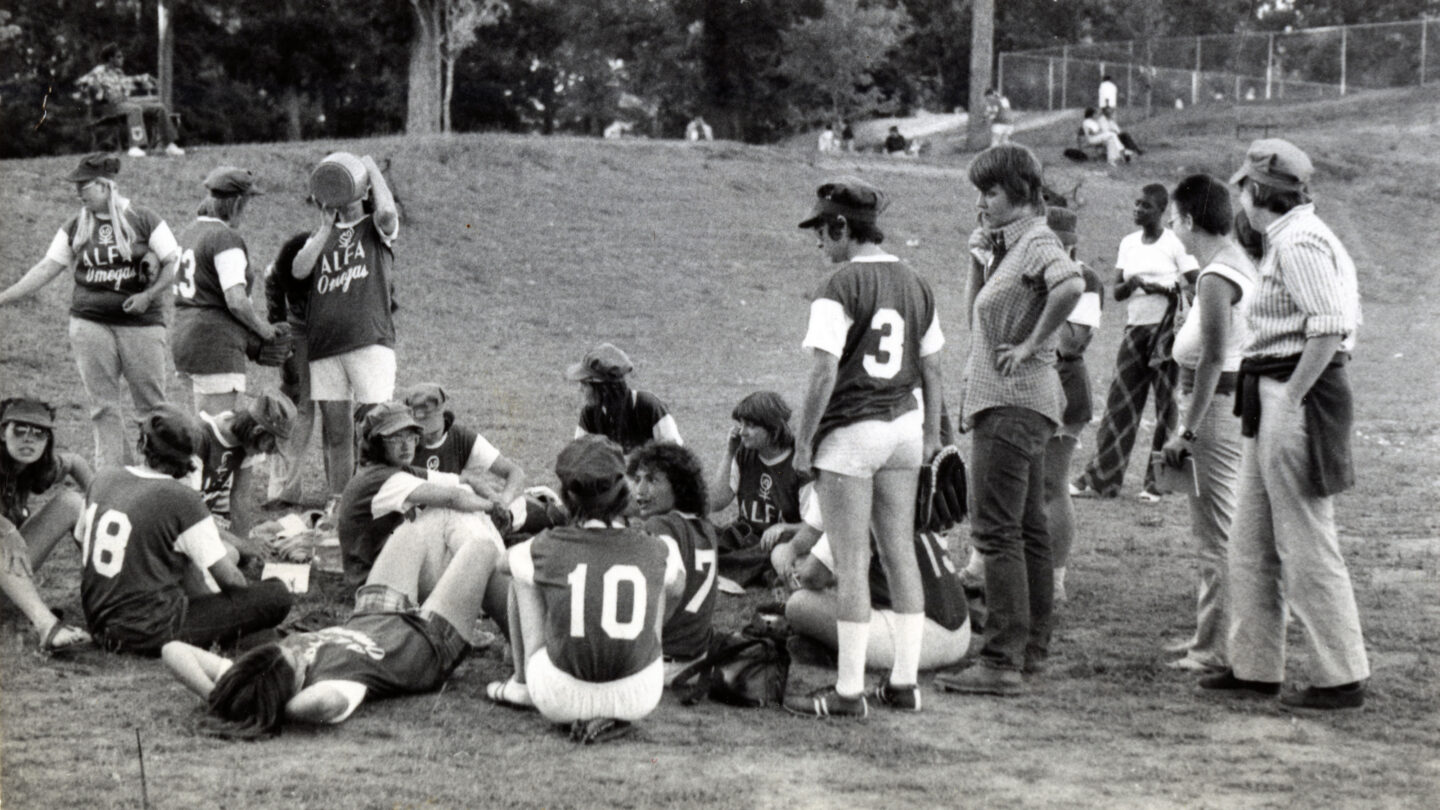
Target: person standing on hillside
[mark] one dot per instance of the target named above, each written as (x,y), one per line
(117,326)
(1207,349)
(1149,266)
(874,339)
(350,331)
(1109,95)
(1296,414)
(1002,120)
(214,317)
(1022,286)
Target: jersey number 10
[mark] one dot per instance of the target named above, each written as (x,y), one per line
(610,623)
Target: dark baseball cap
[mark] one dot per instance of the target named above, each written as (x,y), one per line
(432,395)
(228,181)
(590,465)
(94,166)
(27,411)
(387,419)
(604,363)
(850,197)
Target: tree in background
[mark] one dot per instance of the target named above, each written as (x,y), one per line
(829,60)
(443,30)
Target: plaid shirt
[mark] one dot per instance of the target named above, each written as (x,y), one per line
(1307,288)
(110,86)
(1017,283)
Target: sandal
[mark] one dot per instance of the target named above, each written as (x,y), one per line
(63,637)
(509,693)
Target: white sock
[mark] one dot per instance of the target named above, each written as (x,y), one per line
(909,629)
(853,637)
(975,567)
(1060,579)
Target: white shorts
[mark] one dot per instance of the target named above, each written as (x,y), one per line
(365,375)
(444,532)
(217,383)
(563,698)
(864,448)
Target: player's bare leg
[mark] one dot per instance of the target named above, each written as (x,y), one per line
(337,431)
(893,517)
(49,523)
(216,404)
(459,596)
(527,636)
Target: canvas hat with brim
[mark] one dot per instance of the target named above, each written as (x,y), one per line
(93,167)
(604,363)
(1276,163)
(590,465)
(432,396)
(274,412)
(850,197)
(228,181)
(28,412)
(388,419)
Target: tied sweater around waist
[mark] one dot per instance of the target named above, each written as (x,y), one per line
(1329,417)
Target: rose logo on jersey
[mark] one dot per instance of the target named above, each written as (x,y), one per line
(432,463)
(346,237)
(766,484)
(106,234)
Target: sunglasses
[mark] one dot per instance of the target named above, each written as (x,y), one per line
(21,431)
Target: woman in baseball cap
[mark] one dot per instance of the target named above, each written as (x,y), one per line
(31,465)
(123,258)
(233,443)
(214,319)
(594,667)
(628,417)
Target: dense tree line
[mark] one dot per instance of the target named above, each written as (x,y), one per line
(756,69)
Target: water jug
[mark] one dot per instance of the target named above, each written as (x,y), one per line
(339,180)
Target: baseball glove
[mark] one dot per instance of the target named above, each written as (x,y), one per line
(501,517)
(941,498)
(271,352)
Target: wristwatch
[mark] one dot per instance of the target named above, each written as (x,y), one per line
(1188,435)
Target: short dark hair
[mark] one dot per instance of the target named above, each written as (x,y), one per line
(1013,168)
(682,469)
(110,51)
(248,701)
(603,506)
(1206,200)
(1089,112)
(1156,193)
(169,438)
(1273,199)
(768,410)
(860,231)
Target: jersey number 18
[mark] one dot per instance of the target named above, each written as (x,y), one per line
(103,541)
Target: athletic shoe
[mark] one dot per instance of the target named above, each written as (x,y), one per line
(905,698)
(826,702)
(600,729)
(1345,696)
(1225,681)
(1148,496)
(174,151)
(136,151)
(1188,664)
(1080,489)
(982,680)
(1176,647)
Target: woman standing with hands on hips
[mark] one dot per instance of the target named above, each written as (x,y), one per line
(116,323)
(874,339)
(1023,285)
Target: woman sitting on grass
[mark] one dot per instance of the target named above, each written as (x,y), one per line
(30,465)
(758,474)
(387,648)
(589,599)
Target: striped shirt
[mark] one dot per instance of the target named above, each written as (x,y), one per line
(1007,308)
(1307,288)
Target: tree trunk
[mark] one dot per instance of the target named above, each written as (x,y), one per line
(426,78)
(449,93)
(982,47)
(291,101)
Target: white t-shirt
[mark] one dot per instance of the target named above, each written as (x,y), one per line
(1188,340)
(1109,94)
(1158,263)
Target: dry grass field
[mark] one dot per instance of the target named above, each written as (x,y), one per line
(518,253)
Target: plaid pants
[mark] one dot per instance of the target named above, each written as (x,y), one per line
(1134,377)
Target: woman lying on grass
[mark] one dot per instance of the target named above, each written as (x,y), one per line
(387,648)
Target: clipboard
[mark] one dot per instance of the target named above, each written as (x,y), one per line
(1170,479)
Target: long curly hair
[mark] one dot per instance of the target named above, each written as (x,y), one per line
(681,468)
(248,701)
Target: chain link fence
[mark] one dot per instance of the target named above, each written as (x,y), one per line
(1230,68)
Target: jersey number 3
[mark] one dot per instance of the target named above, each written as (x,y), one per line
(103,541)
(610,623)
(890,354)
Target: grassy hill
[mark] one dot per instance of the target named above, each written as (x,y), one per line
(518,253)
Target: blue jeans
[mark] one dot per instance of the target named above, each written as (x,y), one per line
(1008,527)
